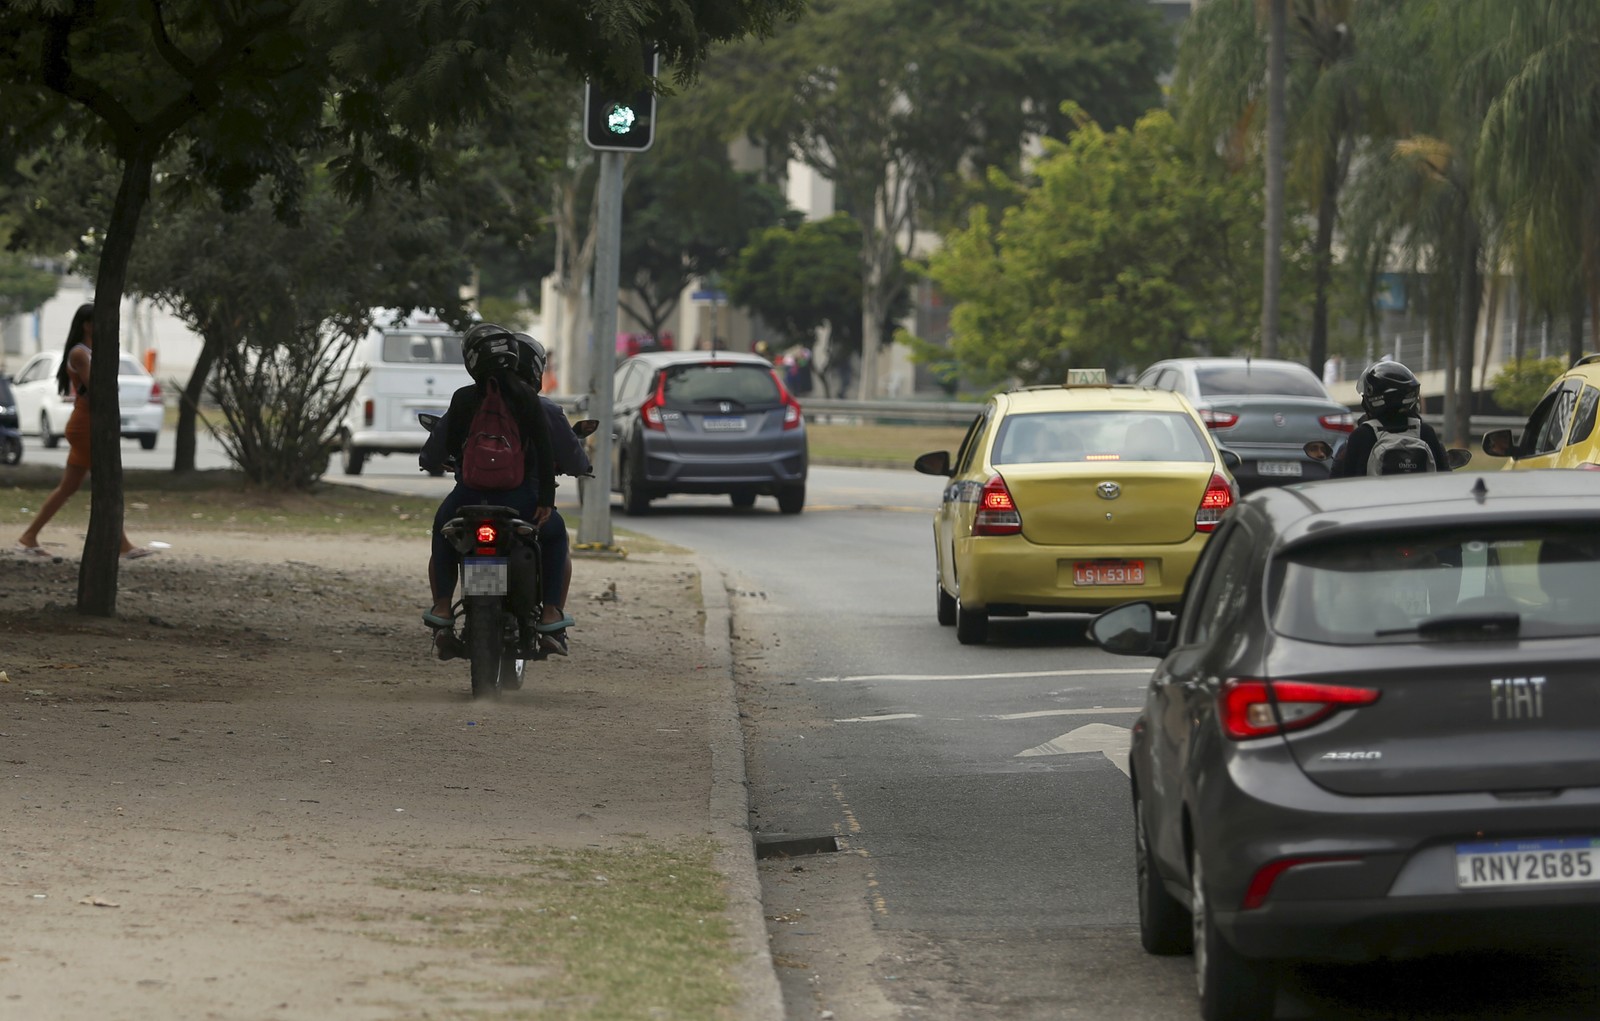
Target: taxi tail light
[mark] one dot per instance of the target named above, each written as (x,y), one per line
(1255,895)
(1218,419)
(997,512)
(1588,466)
(1345,423)
(650,410)
(1218,498)
(1252,708)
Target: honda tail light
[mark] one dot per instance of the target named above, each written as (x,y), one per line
(650,410)
(792,416)
(1250,708)
(997,512)
(155,393)
(1218,498)
(1345,423)
(1218,419)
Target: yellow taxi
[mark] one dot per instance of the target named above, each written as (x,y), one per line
(1561,431)
(1074,498)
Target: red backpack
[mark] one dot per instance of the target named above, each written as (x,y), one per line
(492,458)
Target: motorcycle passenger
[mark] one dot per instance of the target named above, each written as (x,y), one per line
(491,352)
(1392,421)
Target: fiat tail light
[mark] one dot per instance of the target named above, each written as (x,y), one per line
(1251,708)
(1218,419)
(1345,423)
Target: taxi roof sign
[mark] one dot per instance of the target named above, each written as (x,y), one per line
(1087,377)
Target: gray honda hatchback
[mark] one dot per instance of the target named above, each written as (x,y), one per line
(706,422)
(1374,730)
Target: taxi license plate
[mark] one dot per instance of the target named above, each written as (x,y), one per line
(1552,862)
(1108,572)
(1284,468)
(483,576)
(732,423)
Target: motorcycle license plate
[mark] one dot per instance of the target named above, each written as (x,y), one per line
(483,576)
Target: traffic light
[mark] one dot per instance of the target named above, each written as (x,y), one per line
(615,121)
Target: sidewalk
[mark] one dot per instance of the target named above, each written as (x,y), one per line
(254,795)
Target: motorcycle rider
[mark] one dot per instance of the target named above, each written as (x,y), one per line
(491,352)
(1390,402)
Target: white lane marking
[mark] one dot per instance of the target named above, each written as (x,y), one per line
(1112,742)
(980,677)
(1096,711)
(876,719)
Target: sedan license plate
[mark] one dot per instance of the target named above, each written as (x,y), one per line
(725,424)
(1552,862)
(1108,572)
(483,576)
(1281,468)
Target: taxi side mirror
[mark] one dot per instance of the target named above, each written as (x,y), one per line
(1229,458)
(935,463)
(1499,443)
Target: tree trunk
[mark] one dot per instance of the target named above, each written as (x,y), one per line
(183,458)
(1277,128)
(1491,332)
(1458,428)
(1575,325)
(1327,212)
(102,548)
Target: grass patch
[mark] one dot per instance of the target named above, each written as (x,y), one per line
(887,446)
(621,935)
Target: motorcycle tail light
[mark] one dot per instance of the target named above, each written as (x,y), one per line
(487,536)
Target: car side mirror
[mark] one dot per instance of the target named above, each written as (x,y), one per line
(1457,457)
(1319,450)
(586,426)
(1499,443)
(1127,630)
(935,463)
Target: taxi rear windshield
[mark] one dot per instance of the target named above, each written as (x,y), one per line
(690,387)
(1487,584)
(1094,436)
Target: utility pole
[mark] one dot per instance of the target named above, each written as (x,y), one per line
(1277,128)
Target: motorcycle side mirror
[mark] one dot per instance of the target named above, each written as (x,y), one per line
(428,421)
(1319,450)
(586,426)
(1498,443)
(935,463)
(1457,457)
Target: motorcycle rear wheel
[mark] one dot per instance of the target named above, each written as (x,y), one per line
(485,645)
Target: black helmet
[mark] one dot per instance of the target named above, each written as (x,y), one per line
(531,365)
(1388,388)
(487,347)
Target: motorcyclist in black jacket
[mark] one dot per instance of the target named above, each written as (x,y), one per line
(1391,399)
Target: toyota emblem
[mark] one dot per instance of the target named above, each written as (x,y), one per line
(1108,490)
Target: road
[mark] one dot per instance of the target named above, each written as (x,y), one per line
(975,795)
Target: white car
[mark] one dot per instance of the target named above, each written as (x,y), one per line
(406,366)
(41,410)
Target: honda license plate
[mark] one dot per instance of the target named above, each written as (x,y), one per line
(1552,862)
(483,576)
(1290,469)
(1108,572)
(725,424)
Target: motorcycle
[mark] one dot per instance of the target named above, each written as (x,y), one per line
(10,434)
(501,590)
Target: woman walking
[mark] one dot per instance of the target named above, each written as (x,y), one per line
(72,379)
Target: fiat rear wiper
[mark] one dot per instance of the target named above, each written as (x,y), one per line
(1487,625)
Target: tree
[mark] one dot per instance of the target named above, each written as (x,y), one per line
(1123,249)
(801,278)
(240,89)
(23,286)
(688,213)
(894,100)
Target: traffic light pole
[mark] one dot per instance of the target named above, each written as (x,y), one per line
(594,529)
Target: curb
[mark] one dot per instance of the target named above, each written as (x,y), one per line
(761,998)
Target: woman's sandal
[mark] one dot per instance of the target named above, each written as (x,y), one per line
(437,622)
(552,626)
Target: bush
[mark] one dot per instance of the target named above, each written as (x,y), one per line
(1519,384)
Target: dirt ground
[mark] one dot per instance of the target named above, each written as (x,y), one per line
(211,800)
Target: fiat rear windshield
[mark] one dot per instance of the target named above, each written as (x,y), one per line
(1258,379)
(701,386)
(1093,436)
(1478,584)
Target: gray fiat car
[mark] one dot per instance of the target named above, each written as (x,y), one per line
(1374,730)
(706,422)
